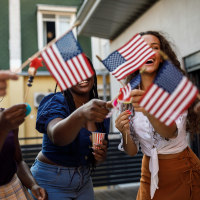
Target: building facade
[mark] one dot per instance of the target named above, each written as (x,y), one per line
(26,27)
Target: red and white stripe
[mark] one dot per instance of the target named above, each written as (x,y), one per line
(136,52)
(126,91)
(168,107)
(97,138)
(69,73)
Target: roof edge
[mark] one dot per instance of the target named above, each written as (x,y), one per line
(85,12)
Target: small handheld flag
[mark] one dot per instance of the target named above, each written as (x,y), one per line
(132,85)
(124,94)
(170,94)
(66,61)
(128,58)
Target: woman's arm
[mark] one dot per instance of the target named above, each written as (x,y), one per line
(10,119)
(159,127)
(64,131)
(24,174)
(122,124)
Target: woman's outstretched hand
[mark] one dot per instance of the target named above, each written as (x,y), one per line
(12,117)
(39,192)
(95,110)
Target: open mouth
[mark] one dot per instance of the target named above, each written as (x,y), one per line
(150,61)
(85,82)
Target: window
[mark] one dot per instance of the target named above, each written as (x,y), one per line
(53,21)
(192,66)
(192,62)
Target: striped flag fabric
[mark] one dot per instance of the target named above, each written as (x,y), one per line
(97,138)
(135,82)
(66,61)
(129,58)
(170,94)
(125,93)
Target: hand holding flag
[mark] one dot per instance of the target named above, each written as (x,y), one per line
(170,94)
(124,94)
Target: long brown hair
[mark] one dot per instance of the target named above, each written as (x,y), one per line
(193,119)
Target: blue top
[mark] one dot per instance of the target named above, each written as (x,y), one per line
(79,152)
(8,165)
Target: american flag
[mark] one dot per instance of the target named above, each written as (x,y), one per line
(125,93)
(135,81)
(170,94)
(66,61)
(128,58)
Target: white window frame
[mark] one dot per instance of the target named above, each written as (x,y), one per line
(52,10)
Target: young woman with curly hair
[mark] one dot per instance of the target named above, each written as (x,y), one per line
(170,169)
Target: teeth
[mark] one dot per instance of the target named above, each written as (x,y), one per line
(83,82)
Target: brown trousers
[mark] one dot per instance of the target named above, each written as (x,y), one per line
(179,178)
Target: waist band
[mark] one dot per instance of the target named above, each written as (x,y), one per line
(171,156)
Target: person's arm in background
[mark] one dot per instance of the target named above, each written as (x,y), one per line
(24,174)
(4,76)
(159,127)
(10,119)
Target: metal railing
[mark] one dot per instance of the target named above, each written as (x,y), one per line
(118,168)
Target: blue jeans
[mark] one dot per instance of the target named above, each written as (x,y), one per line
(64,183)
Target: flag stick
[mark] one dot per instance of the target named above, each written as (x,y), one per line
(24,64)
(114,98)
(164,55)
(99,58)
(143,69)
(26,95)
(122,83)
